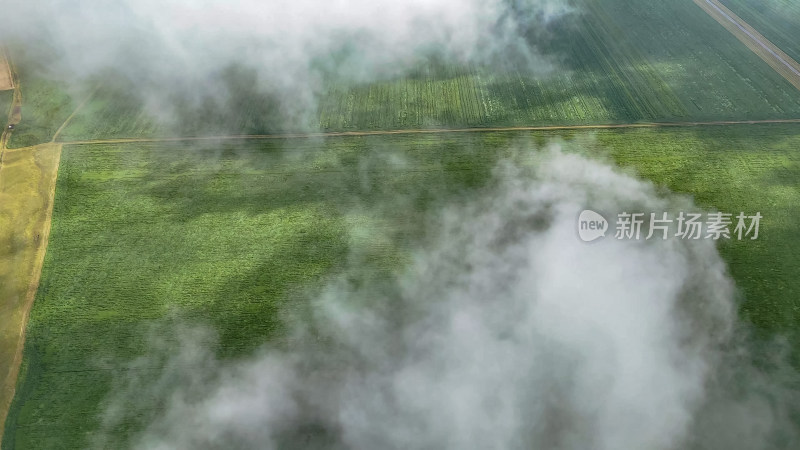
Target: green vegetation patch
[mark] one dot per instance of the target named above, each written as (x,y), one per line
(45,106)
(226,234)
(5,104)
(735,169)
(616,61)
(231,233)
(776,20)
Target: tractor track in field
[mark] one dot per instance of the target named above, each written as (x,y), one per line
(431,131)
(74,113)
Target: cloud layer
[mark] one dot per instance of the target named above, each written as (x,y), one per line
(171,48)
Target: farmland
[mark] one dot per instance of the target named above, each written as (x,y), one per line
(231,232)
(27,182)
(735,169)
(5,104)
(619,61)
(755,41)
(777,20)
(6,79)
(114,110)
(46,106)
(257,225)
(46,103)
(142,229)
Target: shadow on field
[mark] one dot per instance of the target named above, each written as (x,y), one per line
(260,221)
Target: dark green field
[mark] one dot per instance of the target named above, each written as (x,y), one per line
(229,234)
(5,104)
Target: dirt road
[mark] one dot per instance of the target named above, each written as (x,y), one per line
(429,131)
(761,46)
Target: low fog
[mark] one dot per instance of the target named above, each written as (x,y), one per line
(505,331)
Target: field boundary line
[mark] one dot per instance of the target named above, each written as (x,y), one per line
(430,131)
(77,109)
(776,58)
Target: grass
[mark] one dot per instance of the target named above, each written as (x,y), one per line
(231,233)
(27,180)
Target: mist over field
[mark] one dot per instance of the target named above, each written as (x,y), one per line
(185,55)
(505,331)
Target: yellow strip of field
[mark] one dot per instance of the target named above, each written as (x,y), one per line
(27,189)
(761,46)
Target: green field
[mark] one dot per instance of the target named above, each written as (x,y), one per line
(777,20)
(619,61)
(230,233)
(734,169)
(257,223)
(114,111)
(46,102)
(5,104)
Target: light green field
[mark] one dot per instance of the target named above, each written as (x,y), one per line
(735,169)
(231,233)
